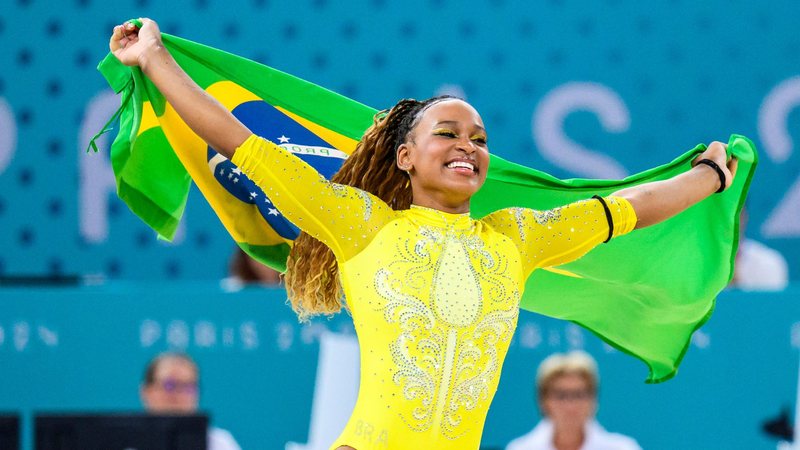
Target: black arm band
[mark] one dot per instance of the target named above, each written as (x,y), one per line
(721,174)
(608,217)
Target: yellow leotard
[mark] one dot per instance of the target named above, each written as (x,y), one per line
(434,296)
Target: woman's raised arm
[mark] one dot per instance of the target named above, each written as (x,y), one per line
(342,217)
(210,120)
(657,201)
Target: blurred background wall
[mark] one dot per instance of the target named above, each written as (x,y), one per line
(652,80)
(84,349)
(597,89)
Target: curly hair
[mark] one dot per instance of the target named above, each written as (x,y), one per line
(312,274)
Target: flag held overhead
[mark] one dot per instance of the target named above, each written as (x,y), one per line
(644,293)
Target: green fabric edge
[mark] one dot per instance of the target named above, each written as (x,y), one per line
(273,256)
(742,198)
(308,100)
(133,85)
(116,74)
(150,213)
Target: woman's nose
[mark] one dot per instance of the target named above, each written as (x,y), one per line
(467,146)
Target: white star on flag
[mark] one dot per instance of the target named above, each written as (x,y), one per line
(253,194)
(237,171)
(283,139)
(273,212)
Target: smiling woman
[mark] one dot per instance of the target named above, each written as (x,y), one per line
(434,294)
(445,155)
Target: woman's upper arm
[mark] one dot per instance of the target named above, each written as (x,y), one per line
(342,217)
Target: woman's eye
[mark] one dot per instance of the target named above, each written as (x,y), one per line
(445,133)
(480,140)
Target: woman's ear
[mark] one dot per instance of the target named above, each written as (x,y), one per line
(404,158)
(543,408)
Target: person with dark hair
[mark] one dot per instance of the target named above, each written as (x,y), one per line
(433,293)
(566,387)
(244,270)
(170,386)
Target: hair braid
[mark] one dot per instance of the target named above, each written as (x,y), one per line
(312,274)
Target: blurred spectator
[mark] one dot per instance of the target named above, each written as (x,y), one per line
(758,267)
(566,386)
(170,386)
(244,270)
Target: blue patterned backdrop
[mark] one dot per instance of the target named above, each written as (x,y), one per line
(576,88)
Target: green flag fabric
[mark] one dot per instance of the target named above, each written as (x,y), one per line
(644,293)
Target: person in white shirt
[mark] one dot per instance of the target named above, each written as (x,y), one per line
(170,386)
(567,386)
(758,267)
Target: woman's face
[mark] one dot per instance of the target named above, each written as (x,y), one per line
(569,401)
(174,388)
(446,156)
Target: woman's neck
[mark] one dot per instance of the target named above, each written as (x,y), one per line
(568,439)
(432,202)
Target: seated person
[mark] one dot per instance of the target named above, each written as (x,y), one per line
(243,270)
(567,386)
(170,386)
(758,267)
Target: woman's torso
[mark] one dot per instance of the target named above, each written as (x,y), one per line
(434,299)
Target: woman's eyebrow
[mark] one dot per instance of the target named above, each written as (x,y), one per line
(454,122)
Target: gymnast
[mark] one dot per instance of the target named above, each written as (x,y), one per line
(433,293)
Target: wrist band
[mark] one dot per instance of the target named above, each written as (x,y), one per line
(721,174)
(608,217)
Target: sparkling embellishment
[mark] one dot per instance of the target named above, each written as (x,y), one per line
(367,204)
(519,217)
(447,353)
(456,293)
(549,217)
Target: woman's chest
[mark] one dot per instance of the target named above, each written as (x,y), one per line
(455,278)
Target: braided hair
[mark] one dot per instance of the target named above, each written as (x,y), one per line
(312,274)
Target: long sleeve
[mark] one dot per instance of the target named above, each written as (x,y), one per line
(342,217)
(560,235)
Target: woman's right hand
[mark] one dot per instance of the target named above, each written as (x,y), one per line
(142,46)
(129,42)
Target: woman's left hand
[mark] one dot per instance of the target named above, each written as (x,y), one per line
(717,152)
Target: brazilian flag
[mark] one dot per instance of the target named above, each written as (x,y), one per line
(644,293)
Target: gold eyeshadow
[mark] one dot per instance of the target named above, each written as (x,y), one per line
(447,131)
(480,136)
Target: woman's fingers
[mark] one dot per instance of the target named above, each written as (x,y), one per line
(122,35)
(122,40)
(717,144)
(716,151)
(130,27)
(116,35)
